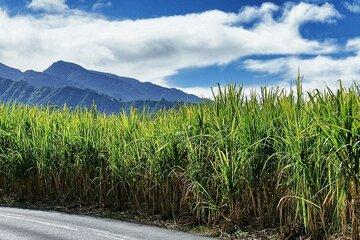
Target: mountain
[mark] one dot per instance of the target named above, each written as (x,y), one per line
(22,92)
(64,74)
(122,88)
(39,79)
(71,84)
(9,73)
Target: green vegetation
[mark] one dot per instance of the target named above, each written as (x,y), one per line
(274,159)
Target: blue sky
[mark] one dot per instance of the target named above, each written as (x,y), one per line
(188,44)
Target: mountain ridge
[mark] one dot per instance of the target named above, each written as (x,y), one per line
(9,72)
(119,87)
(21,92)
(69,83)
(62,74)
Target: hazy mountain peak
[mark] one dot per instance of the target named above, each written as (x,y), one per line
(31,72)
(62,68)
(66,64)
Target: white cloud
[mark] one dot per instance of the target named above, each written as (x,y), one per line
(265,11)
(318,71)
(99,4)
(353,6)
(48,5)
(204,92)
(154,49)
(353,45)
(209,92)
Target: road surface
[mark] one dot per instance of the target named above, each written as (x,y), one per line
(24,224)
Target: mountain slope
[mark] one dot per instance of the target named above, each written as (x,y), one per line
(69,83)
(9,72)
(122,88)
(39,79)
(23,92)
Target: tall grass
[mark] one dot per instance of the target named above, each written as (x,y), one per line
(273,159)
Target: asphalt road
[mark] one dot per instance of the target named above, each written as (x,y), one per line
(24,224)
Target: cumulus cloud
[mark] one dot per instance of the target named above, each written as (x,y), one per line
(265,11)
(154,49)
(48,5)
(353,45)
(204,92)
(319,71)
(353,6)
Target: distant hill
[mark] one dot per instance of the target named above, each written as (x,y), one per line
(64,74)
(22,92)
(9,73)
